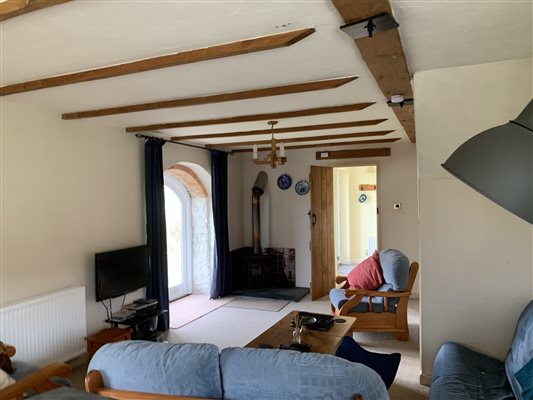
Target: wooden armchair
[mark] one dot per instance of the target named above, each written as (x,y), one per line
(376,311)
(37,381)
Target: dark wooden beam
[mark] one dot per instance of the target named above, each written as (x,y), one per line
(358,153)
(249,118)
(300,139)
(169,60)
(303,128)
(215,98)
(309,146)
(383,53)
(14,8)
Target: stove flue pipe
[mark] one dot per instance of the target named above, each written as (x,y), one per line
(257,190)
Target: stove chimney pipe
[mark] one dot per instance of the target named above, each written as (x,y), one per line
(257,190)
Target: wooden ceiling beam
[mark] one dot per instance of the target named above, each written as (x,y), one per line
(353,153)
(250,118)
(169,60)
(383,53)
(14,8)
(216,98)
(301,139)
(310,146)
(317,127)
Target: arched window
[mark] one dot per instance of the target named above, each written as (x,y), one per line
(179,238)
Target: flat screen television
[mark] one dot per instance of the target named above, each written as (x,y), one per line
(121,271)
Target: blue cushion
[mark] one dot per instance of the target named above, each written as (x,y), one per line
(525,379)
(395,268)
(521,349)
(266,374)
(188,369)
(386,365)
(337,297)
(66,393)
(460,373)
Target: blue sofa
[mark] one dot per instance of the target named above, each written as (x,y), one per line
(200,370)
(461,373)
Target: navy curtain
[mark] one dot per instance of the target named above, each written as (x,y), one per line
(221,284)
(156,227)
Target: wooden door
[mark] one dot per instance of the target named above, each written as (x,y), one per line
(322,232)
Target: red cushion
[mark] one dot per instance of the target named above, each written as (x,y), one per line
(367,275)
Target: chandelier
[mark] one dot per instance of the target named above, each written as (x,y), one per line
(272,157)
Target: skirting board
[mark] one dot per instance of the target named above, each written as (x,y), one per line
(425,379)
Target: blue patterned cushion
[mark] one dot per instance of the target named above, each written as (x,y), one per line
(266,374)
(521,349)
(177,369)
(525,379)
(395,268)
(386,365)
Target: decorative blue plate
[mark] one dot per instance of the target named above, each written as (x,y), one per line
(284,181)
(302,187)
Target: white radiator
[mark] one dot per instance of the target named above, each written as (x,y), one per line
(47,328)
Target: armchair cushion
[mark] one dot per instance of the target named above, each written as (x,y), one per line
(521,351)
(386,365)
(338,297)
(395,268)
(5,379)
(367,275)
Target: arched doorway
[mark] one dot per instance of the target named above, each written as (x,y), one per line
(189,229)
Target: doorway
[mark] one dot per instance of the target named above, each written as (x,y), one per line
(179,244)
(356,215)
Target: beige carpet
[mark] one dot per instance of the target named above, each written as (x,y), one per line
(255,303)
(192,307)
(405,386)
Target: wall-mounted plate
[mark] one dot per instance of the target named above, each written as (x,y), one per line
(284,181)
(302,187)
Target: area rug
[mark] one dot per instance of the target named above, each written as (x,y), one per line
(192,307)
(253,303)
(291,294)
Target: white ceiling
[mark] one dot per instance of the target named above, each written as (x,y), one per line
(84,34)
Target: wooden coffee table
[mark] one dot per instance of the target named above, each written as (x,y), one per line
(325,342)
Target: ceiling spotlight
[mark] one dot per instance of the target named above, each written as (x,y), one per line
(398,100)
(367,27)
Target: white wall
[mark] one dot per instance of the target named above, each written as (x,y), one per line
(288,219)
(69,189)
(476,257)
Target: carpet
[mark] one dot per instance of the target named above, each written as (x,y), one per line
(254,303)
(291,294)
(192,307)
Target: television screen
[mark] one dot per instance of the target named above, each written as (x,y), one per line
(121,271)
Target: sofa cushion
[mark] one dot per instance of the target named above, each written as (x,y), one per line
(366,275)
(525,379)
(266,374)
(386,365)
(395,268)
(460,373)
(521,351)
(188,369)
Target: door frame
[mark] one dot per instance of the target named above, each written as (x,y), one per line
(378,199)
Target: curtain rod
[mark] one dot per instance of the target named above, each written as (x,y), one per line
(139,135)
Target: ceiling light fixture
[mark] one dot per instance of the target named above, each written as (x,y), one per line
(272,157)
(399,100)
(367,27)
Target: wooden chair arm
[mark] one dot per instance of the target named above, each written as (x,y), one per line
(373,293)
(38,381)
(341,282)
(94,384)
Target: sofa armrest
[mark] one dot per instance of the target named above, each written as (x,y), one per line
(39,381)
